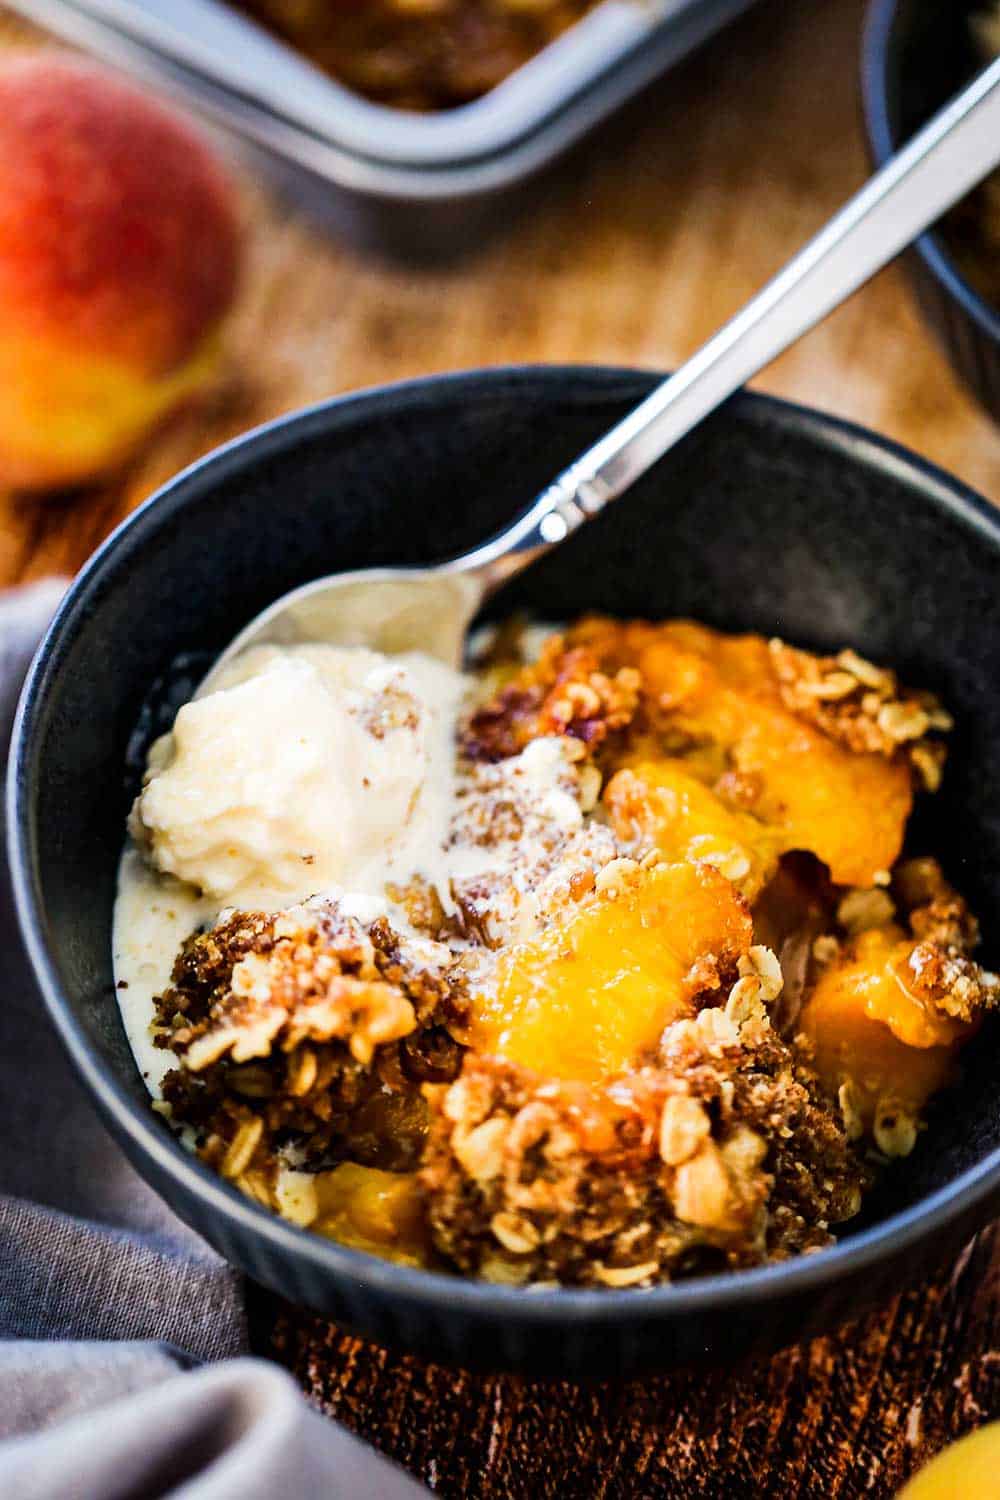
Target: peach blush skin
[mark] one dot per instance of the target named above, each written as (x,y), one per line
(119,250)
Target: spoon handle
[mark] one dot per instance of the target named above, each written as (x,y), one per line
(959,147)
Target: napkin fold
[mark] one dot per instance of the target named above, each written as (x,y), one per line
(108,1303)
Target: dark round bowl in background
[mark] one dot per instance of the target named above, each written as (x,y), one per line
(769,518)
(916,55)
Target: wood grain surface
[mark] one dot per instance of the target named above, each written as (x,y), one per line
(840,1417)
(650,238)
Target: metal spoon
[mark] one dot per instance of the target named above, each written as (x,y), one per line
(395,609)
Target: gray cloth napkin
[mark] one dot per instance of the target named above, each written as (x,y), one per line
(123,1294)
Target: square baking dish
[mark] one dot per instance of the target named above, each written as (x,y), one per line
(404,181)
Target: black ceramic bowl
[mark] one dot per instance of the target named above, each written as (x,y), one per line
(770,518)
(916,55)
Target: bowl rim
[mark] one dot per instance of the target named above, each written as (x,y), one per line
(145,1137)
(875,46)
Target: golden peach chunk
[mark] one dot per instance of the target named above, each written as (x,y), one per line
(368,1209)
(585,998)
(848,809)
(870,1032)
(662,803)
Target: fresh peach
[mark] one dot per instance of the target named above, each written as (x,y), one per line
(119,247)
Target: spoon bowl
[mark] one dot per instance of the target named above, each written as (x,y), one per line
(386,609)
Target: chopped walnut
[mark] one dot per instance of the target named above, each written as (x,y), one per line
(761,964)
(684,1124)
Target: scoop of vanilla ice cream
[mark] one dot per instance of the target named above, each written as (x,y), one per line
(308,767)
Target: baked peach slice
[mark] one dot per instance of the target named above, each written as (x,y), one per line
(660,803)
(847,808)
(877,1044)
(590,994)
(363,1207)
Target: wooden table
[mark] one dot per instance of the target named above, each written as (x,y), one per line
(657,233)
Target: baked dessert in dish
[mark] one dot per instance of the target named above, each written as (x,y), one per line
(429,55)
(599,964)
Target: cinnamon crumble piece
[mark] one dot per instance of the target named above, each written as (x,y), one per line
(950,983)
(940,970)
(721,1152)
(863,707)
(305,1023)
(543,852)
(563,693)
(935,910)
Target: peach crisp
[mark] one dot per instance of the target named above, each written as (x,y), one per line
(600,965)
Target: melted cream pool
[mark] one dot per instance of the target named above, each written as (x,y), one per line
(153,916)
